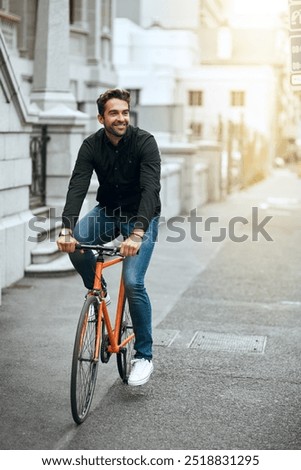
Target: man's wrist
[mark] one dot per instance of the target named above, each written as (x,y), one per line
(138,234)
(65,232)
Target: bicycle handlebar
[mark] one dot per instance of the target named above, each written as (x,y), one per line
(109,250)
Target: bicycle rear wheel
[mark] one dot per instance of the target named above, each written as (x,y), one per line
(124,357)
(84,364)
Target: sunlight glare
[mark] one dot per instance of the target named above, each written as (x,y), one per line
(257,12)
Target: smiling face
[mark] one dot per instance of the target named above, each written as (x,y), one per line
(115,119)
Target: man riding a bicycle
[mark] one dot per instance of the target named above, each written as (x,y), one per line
(126,160)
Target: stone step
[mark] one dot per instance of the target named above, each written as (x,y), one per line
(49,261)
(45,252)
(61,266)
(46,259)
(44,225)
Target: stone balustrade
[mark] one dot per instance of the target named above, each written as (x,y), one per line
(8,26)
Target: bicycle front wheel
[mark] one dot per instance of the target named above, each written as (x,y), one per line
(84,364)
(126,330)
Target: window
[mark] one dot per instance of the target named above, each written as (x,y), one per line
(71,11)
(135,97)
(237,98)
(135,101)
(106,49)
(81,106)
(76,11)
(195,98)
(134,118)
(4,5)
(106,30)
(196,130)
(106,15)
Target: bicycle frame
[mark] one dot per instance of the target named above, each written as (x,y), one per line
(103,315)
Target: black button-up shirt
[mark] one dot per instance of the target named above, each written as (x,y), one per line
(128,176)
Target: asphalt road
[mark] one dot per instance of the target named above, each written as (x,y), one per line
(227,331)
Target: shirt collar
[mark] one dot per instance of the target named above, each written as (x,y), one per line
(124,139)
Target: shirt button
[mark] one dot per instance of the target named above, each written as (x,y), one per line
(116,151)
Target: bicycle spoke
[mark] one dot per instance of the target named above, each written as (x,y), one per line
(84,365)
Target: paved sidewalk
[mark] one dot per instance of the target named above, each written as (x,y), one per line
(227,330)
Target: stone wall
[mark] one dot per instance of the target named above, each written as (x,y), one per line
(15,176)
(199,179)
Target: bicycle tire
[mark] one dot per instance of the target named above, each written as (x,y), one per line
(124,358)
(84,366)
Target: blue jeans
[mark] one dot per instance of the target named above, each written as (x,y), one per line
(98,227)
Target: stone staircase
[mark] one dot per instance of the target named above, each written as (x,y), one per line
(46,259)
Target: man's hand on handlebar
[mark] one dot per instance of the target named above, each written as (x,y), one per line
(66,243)
(131,245)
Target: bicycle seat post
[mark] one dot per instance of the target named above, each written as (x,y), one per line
(100,257)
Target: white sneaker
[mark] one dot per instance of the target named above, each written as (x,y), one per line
(141,372)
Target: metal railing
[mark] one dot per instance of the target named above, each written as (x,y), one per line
(38,154)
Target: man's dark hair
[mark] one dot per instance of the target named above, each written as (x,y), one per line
(118,93)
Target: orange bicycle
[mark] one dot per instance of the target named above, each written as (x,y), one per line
(97,338)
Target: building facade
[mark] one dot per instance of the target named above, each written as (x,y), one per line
(56,57)
(207,80)
(210,95)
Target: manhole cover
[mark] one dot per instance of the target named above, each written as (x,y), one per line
(228,342)
(164,337)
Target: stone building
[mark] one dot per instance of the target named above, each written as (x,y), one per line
(181,63)
(56,57)
(209,79)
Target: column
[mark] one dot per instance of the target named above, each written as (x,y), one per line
(94,20)
(51,61)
